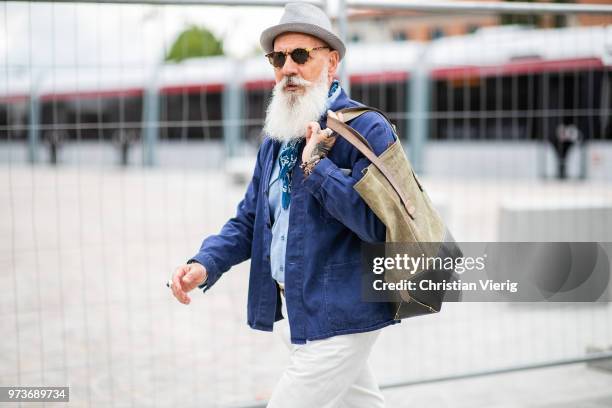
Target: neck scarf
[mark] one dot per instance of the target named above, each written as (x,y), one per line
(286,159)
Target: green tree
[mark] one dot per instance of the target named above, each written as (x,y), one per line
(194,42)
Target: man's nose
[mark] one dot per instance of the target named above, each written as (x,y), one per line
(290,67)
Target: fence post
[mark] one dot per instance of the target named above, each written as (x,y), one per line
(418,104)
(34,118)
(150,119)
(345,80)
(232,111)
(33,132)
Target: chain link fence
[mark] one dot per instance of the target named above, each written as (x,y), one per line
(115,166)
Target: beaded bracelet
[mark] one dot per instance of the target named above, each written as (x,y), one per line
(308,166)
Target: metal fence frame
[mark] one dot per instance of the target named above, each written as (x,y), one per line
(419,92)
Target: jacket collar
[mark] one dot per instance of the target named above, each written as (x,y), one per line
(342,101)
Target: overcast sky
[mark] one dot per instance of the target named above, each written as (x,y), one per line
(68,34)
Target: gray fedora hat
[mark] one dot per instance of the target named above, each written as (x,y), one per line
(303,18)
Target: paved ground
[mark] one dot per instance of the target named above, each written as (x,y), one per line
(84,254)
(573,386)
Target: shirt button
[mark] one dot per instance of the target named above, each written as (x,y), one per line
(282,237)
(281,268)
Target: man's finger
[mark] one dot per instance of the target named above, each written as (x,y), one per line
(177,288)
(314,127)
(327,132)
(189,278)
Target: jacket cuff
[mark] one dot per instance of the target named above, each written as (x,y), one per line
(212,272)
(319,173)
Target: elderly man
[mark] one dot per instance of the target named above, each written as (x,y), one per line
(302,224)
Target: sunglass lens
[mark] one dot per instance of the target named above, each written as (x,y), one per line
(277,59)
(299,55)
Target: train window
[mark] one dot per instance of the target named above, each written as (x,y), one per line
(388,96)
(89,117)
(436,32)
(13,119)
(191,114)
(256,101)
(400,36)
(4,121)
(529,106)
(469,107)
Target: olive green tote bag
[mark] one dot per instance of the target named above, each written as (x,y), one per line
(390,187)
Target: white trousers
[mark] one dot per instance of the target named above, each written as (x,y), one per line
(328,373)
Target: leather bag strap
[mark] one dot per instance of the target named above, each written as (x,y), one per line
(360,143)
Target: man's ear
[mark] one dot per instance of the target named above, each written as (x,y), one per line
(334,60)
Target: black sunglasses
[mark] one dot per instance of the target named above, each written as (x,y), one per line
(298,55)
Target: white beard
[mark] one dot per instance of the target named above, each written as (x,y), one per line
(288,114)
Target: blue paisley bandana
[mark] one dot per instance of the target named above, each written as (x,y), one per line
(286,160)
(333,88)
(288,157)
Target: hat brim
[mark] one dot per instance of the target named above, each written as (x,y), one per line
(268,35)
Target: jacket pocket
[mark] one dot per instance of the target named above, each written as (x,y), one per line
(345,308)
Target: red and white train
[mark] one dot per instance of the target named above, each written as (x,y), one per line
(499,83)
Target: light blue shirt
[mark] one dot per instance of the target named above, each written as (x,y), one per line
(280,216)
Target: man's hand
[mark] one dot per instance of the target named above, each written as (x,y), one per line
(186,278)
(318,142)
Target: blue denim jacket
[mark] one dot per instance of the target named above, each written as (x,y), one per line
(327,224)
